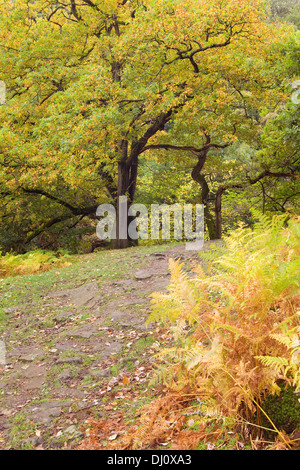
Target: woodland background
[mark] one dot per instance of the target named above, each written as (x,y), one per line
(161,101)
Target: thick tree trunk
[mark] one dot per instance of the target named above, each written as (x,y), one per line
(208,217)
(127,176)
(200,179)
(128,170)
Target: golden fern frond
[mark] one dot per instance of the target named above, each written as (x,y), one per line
(291,341)
(276,363)
(176,354)
(180,328)
(164,309)
(193,357)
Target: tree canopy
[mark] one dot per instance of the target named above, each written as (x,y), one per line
(93,86)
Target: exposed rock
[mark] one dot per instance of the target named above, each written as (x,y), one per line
(71,393)
(26,354)
(159,256)
(45,412)
(34,441)
(117,315)
(125,283)
(65,375)
(99,374)
(142,275)
(72,432)
(134,323)
(83,332)
(31,384)
(65,345)
(69,360)
(87,295)
(113,348)
(63,317)
(33,371)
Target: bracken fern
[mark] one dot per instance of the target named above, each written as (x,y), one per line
(243,318)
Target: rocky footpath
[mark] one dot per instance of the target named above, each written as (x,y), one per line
(80,351)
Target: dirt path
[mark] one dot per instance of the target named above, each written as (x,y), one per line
(82,349)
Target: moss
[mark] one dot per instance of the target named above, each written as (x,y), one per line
(283,410)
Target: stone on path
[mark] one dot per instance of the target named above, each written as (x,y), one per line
(113,347)
(83,332)
(34,377)
(33,371)
(27,353)
(63,317)
(117,316)
(69,360)
(31,384)
(65,375)
(142,275)
(87,295)
(44,413)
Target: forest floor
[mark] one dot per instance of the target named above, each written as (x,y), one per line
(77,347)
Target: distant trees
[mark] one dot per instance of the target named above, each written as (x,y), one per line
(288,10)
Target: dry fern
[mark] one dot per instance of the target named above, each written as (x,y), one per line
(243,318)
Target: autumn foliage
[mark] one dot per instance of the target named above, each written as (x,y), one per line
(93,86)
(236,326)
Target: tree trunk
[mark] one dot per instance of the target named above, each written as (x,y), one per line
(200,179)
(218,213)
(127,176)
(128,170)
(208,217)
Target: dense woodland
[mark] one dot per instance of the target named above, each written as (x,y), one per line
(165,102)
(161,101)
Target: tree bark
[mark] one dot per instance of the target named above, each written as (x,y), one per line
(208,216)
(128,172)
(226,187)
(200,179)
(218,213)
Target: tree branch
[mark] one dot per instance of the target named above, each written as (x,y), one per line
(74,210)
(185,148)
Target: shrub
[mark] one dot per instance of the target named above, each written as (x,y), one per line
(32,262)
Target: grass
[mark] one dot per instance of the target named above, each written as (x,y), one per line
(26,309)
(144,343)
(101,267)
(21,430)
